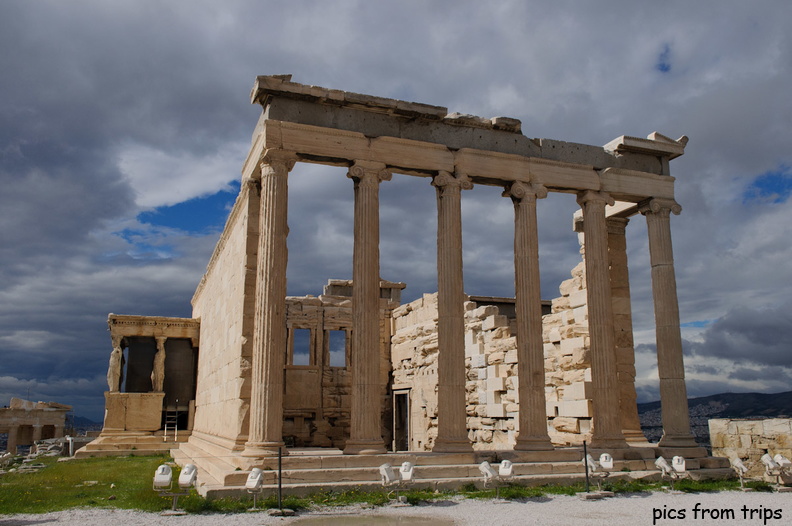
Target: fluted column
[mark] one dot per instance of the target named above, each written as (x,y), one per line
(670,366)
(528,303)
(623,329)
(158,369)
(606,423)
(365,436)
(269,331)
(116,366)
(451,396)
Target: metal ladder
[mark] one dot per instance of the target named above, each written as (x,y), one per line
(171,423)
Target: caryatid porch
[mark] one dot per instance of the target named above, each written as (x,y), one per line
(157,375)
(376,137)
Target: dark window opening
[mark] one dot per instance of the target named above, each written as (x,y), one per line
(301,347)
(337,345)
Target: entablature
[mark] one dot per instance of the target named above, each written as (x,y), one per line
(123,326)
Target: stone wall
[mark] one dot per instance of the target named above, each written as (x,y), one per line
(750,439)
(414,363)
(221,301)
(568,363)
(491,361)
(318,394)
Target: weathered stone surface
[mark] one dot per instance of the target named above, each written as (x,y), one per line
(750,439)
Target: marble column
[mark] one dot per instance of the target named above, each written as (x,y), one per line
(265,435)
(670,366)
(606,432)
(623,329)
(452,433)
(365,436)
(116,367)
(158,368)
(13,434)
(528,303)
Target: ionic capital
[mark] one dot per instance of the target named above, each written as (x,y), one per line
(519,190)
(277,163)
(591,196)
(659,206)
(369,173)
(445,181)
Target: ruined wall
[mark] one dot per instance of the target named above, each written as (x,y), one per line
(491,361)
(224,302)
(568,363)
(750,439)
(414,363)
(318,394)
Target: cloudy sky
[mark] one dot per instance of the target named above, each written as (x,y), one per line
(124,125)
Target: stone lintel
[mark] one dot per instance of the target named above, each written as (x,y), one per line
(655,144)
(154,326)
(378,117)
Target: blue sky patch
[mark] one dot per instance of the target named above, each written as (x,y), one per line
(698,324)
(663,63)
(196,216)
(770,187)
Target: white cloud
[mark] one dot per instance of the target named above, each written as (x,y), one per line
(162,177)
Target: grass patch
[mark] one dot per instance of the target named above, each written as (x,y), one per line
(62,485)
(125,482)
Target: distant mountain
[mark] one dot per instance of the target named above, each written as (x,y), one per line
(724,405)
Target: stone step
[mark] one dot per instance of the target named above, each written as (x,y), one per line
(450,483)
(217,467)
(144,446)
(374,461)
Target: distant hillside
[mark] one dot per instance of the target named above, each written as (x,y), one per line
(725,405)
(81,424)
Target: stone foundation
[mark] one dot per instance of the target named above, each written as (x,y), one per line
(750,439)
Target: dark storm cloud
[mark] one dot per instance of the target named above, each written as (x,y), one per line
(750,335)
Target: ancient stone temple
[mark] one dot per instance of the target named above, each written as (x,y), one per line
(26,422)
(442,380)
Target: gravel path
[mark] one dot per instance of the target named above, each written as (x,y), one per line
(724,508)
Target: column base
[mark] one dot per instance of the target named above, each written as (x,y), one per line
(452,445)
(364,447)
(677,441)
(633,436)
(264,449)
(533,444)
(608,443)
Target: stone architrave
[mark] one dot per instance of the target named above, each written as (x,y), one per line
(623,329)
(606,432)
(365,428)
(528,303)
(116,366)
(269,334)
(670,366)
(158,369)
(452,433)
